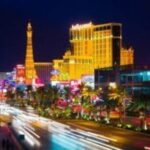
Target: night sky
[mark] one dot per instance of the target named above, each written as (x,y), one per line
(51,20)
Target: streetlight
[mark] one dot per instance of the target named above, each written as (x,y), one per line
(112,85)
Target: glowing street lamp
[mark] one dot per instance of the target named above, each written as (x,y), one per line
(112,85)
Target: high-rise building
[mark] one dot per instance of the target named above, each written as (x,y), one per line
(91,47)
(102,42)
(30,72)
(127,56)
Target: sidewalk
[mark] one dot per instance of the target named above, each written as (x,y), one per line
(8,140)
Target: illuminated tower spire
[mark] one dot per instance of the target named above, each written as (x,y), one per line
(29,61)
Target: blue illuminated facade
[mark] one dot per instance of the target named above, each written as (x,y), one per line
(136,80)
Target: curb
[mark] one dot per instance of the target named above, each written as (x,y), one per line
(109,126)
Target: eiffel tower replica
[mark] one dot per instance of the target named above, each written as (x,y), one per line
(30,72)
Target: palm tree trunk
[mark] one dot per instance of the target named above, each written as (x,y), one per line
(100,113)
(108,115)
(121,115)
(143,123)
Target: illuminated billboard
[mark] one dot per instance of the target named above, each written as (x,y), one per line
(20,73)
(88,80)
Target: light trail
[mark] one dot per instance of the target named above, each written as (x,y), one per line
(61,134)
(97,141)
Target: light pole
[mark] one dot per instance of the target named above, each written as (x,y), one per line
(0,115)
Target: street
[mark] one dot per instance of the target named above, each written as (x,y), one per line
(41,133)
(125,139)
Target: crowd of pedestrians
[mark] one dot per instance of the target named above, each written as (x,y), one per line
(5,138)
(6,144)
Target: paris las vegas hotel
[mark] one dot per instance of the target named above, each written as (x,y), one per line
(92,47)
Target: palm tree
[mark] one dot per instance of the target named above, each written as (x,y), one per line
(19,95)
(55,95)
(47,96)
(39,96)
(120,95)
(10,95)
(141,104)
(108,104)
(86,104)
(67,92)
(32,97)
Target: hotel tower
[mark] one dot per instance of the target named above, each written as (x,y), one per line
(91,47)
